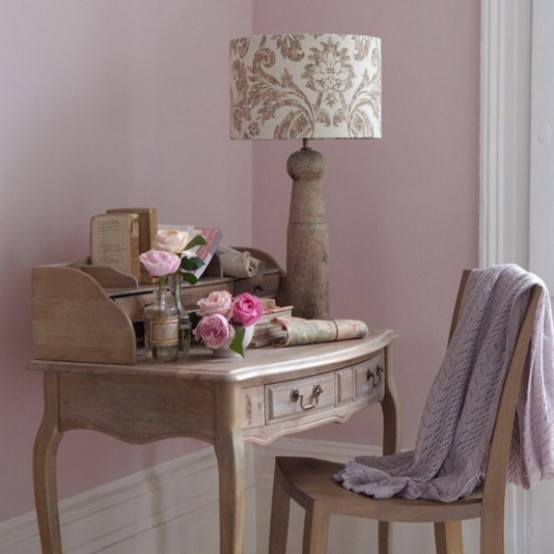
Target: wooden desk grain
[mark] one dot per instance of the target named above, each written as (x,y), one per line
(223,402)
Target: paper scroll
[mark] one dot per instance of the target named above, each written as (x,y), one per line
(307,331)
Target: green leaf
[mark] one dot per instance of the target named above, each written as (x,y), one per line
(198,240)
(236,345)
(190,264)
(190,278)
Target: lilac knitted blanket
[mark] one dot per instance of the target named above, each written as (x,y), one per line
(450,454)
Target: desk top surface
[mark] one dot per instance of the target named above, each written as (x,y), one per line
(257,365)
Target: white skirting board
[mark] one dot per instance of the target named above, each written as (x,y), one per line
(172,508)
(154,511)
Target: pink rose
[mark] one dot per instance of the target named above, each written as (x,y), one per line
(217,302)
(172,240)
(159,263)
(247,309)
(215,331)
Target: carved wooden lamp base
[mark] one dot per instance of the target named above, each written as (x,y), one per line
(307,237)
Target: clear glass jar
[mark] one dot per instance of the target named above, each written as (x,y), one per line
(185,327)
(161,328)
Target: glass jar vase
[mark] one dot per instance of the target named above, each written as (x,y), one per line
(185,327)
(161,328)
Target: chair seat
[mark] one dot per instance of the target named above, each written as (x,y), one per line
(309,479)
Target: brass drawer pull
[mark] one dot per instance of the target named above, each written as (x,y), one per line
(376,377)
(295,396)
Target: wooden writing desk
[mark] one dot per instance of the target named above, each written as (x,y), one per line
(270,393)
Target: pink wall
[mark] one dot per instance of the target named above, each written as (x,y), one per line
(109,104)
(402,211)
(104,104)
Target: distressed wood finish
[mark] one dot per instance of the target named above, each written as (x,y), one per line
(307,237)
(223,402)
(309,481)
(74,320)
(136,410)
(44,469)
(89,313)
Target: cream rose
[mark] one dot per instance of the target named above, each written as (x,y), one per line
(172,240)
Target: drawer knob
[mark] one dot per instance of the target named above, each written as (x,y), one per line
(376,376)
(295,396)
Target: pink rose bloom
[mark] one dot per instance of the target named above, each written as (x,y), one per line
(215,331)
(247,309)
(172,240)
(217,302)
(159,263)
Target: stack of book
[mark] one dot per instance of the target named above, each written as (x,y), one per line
(268,330)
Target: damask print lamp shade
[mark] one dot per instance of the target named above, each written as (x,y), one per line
(324,86)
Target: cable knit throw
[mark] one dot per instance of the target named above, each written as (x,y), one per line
(451,449)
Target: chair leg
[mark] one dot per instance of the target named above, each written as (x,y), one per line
(316,529)
(280,509)
(384,534)
(448,538)
(492,533)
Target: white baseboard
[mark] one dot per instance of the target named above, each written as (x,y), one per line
(159,510)
(131,515)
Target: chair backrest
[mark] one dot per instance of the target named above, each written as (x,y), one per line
(497,465)
(457,305)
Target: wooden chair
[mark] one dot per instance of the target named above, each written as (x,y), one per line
(309,481)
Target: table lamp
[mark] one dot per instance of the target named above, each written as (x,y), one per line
(323,86)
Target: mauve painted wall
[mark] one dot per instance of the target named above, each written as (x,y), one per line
(103,104)
(402,211)
(108,103)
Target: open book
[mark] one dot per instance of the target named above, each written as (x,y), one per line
(212,236)
(114,241)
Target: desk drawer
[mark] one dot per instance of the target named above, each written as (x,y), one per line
(289,399)
(369,377)
(267,286)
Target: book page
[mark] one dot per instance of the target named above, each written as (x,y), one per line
(114,241)
(148,224)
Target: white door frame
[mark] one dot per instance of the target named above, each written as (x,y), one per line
(506,29)
(504,135)
(541,224)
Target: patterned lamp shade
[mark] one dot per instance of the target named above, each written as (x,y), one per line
(305,86)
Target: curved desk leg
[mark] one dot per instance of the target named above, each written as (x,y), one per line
(391,438)
(44,469)
(229,449)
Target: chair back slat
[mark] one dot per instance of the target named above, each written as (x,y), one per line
(458,303)
(497,465)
